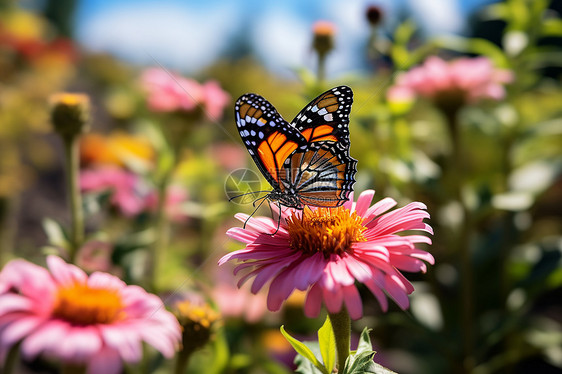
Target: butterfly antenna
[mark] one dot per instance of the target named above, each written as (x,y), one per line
(278,218)
(255,210)
(244,194)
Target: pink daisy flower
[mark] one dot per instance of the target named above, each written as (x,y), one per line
(96,321)
(465,80)
(127,188)
(325,251)
(168,92)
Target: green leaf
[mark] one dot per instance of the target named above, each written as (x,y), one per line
(304,366)
(474,45)
(551,27)
(303,350)
(327,342)
(362,361)
(364,342)
(359,363)
(55,233)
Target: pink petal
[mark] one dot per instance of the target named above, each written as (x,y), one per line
(63,273)
(353,302)
(123,340)
(363,202)
(105,280)
(19,329)
(313,302)
(107,361)
(79,344)
(47,337)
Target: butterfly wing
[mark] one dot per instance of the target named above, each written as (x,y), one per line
(270,139)
(323,172)
(327,117)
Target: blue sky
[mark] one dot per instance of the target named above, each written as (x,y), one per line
(188,35)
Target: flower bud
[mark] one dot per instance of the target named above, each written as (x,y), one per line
(323,41)
(197,320)
(70,114)
(374,15)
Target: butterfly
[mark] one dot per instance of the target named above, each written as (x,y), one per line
(307,161)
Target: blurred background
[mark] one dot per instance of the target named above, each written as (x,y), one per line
(487,163)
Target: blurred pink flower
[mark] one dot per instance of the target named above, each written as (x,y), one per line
(214,100)
(175,196)
(95,255)
(228,155)
(126,187)
(96,321)
(324,251)
(465,80)
(237,303)
(169,92)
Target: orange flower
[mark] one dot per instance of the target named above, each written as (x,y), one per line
(119,148)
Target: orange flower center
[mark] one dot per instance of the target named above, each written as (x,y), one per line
(83,305)
(326,230)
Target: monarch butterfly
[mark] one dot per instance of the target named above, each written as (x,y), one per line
(307,161)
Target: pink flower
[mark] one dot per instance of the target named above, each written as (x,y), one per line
(325,251)
(175,196)
(466,80)
(127,188)
(237,303)
(214,100)
(97,321)
(95,255)
(168,92)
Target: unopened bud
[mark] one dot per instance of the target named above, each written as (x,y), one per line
(324,32)
(374,15)
(70,114)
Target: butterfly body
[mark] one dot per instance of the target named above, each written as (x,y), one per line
(307,161)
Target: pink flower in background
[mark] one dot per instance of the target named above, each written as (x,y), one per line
(169,92)
(237,303)
(125,186)
(228,155)
(465,80)
(214,100)
(325,251)
(96,321)
(95,255)
(175,197)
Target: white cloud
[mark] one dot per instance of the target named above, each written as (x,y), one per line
(438,16)
(175,36)
(281,40)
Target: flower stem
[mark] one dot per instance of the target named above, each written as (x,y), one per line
(73,369)
(161,232)
(341,324)
(71,146)
(11,359)
(182,361)
(321,73)
(457,170)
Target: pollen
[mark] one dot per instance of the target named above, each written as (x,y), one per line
(82,305)
(326,230)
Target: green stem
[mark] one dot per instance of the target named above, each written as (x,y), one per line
(457,171)
(73,369)
(72,181)
(161,227)
(182,362)
(11,359)
(321,74)
(341,324)
(8,226)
